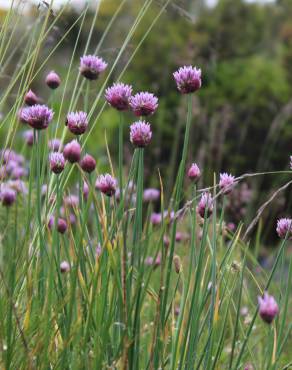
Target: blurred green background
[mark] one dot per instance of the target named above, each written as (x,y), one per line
(242,114)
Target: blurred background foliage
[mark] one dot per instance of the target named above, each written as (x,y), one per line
(242,114)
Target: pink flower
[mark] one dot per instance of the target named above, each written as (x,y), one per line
(151,195)
(226,183)
(91,66)
(72,151)
(194,172)
(106,184)
(268,307)
(53,80)
(28,137)
(61,224)
(143,104)
(37,116)
(77,122)
(55,145)
(156,218)
(65,267)
(88,163)
(7,196)
(57,162)
(205,205)
(140,134)
(284,228)
(188,79)
(118,96)
(31,98)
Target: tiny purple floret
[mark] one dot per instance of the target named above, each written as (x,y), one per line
(143,104)
(140,134)
(118,96)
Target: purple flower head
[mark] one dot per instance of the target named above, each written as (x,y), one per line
(205,205)
(143,104)
(18,185)
(37,116)
(57,162)
(77,122)
(140,134)
(91,66)
(106,184)
(18,172)
(72,151)
(88,163)
(226,183)
(118,96)
(284,228)
(31,98)
(61,224)
(151,195)
(53,80)
(268,307)
(28,137)
(156,218)
(55,145)
(188,79)
(65,267)
(194,172)
(7,196)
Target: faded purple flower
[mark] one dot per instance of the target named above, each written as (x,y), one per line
(284,228)
(188,79)
(37,116)
(118,96)
(65,267)
(226,182)
(194,172)
(91,66)
(61,224)
(205,205)
(18,172)
(140,134)
(151,195)
(28,137)
(53,80)
(106,184)
(143,104)
(156,218)
(72,151)
(7,196)
(55,145)
(77,122)
(268,308)
(88,163)
(31,98)
(57,162)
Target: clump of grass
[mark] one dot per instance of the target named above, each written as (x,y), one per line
(92,275)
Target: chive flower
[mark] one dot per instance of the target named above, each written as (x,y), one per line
(30,98)
(91,66)
(194,172)
(205,205)
(284,228)
(72,151)
(53,80)
(226,183)
(37,116)
(118,96)
(188,79)
(143,104)
(77,122)
(140,134)
(106,184)
(268,308)
(57,162)
(88,163)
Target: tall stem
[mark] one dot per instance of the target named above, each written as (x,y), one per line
(177,200)
(121,155)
